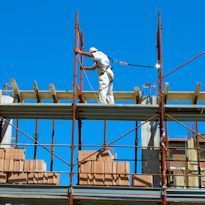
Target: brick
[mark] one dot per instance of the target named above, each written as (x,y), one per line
(34,166)
(15,154)
(139,180)
(26,166)
(123,171)
(53,178)
(202,165)
(37,165)
(8,165)
(98,172)
(32,178)
(56,179)
(1,165)
(2,153)
(115,175)
(108,165)
(17,178)
(3,178)
(40,178)
(18,165)
(83,154)
(20,154)
(45,178)
(40,165)
(84,177)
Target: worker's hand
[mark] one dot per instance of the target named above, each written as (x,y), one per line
(77,51)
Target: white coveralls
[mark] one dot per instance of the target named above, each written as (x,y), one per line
(105,76)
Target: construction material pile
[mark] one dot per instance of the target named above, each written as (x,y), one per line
(99,169)
(15,169)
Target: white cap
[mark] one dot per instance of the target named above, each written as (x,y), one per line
(93,49)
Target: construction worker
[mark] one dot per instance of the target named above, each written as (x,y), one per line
(105,74)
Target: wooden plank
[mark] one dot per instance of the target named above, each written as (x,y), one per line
(139,180)
(53,93)
(16,90)
(196,94)
(36,90)
(68,95)
(137,95)
(184,96)
(118,95)
(166,87)
(80,95)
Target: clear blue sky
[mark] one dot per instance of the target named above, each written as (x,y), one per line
(37,40)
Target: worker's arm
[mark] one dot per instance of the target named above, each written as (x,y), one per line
(90,68)
(78,51)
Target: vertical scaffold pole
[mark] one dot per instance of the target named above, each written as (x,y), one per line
(105,134)
(137,101)
(36,139)
(52,144)
(81,89)
(74,110)
(198,153)
(161,110)
(17,133)
(82,61)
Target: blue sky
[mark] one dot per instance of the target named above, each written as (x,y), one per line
(37,40)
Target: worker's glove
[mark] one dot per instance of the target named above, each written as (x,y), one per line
(157,66)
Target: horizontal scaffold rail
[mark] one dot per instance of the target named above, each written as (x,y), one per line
(41,195)
(129,112)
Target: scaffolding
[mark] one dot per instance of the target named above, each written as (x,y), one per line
(77,111)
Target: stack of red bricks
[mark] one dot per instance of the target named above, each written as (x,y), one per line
(15,169)
(99,169)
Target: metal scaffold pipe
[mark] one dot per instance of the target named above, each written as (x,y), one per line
(73,114)
(161,111)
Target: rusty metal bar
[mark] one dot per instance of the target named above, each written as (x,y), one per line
(82,60)
(52,144)
(32,139)
(80,93)
(185,63)
(36,90)
(198,153)
(1,130)
(17,133)
(161,111)
(105,134)
(74,112)
(81,89)
(36,139)
(137,101)
(120,137)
